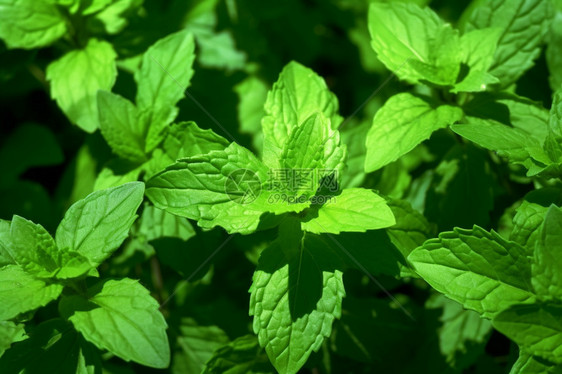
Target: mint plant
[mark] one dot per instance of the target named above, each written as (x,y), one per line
(298,135)
(110,314)
(280,187)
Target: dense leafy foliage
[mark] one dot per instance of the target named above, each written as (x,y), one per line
(259,187)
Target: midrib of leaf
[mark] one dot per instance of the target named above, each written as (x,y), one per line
(404,43)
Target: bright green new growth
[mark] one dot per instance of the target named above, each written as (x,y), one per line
(36,268)
(231,188)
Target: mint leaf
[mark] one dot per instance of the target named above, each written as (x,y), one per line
(164,75)
(121,126)
(355,209)
(121,317)
(524,23)
(526,225)
(528,364)
(297,94)
(509,142)
(186,139)
(113,16)
(30,24)
(33,248)
(21,292)
(117,173)
(410,231)
(156,223)
(463,333)
(218,50)
(537,328)
(354,139)
(196,346)
(555,118)
(218,188)
(479,269)
(554,48)
(414,43)
(10,333)
(252,93)
(94,67)
(241,356)
(547,265)
(97,225)
(401,124)
(313,147)
(478,48)
(296,294)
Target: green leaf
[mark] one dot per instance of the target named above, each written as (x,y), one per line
(219,188)
(52,347)
(411,229)
(554,48)
(547,265)
(113,16)
(295,296)
(252,93)
(511,110)
(97,225)
(5,244)
(555,118)
(526,225)
(528,364)
(196,346)
(10,333)
(121,126)
(313,150)
(218,50)
(30,24)
(241,356)
(354,139)
(297,94)
(401,124)
(463,333)
(94,67)
(415,43)
(33,248)
(355,209)
(20,292)
(478,269)
(156,223)
(121,317)
(164,75)
(478,48)
(537,328)
(509,142)
(524,23)
(186,139)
